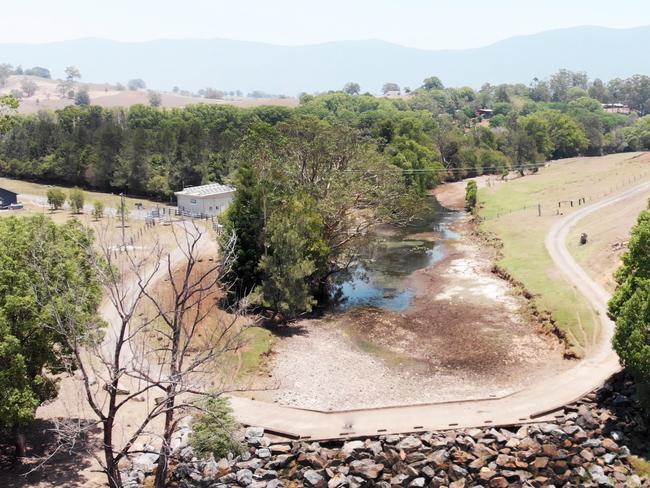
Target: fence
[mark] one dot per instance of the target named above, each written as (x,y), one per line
(557,208)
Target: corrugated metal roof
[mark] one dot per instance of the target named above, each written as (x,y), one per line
(206,190)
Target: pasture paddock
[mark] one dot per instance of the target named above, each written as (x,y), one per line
(510,212)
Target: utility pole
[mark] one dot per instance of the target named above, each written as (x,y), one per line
(122,212)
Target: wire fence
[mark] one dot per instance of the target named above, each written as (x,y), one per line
(560,207)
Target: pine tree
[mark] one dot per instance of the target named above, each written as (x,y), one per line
(245,219)
(296,246)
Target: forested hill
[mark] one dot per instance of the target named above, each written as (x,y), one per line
(236,65)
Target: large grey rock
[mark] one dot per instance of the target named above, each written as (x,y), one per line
(428,471)
(244,477)
(585,418)
(356,482)
(410,443)
(145,462)
(263,453)
(187,454)
(254,432)
(352,446)
(339,480)
(417,483)
(265,474)
(399,479)
(253,464)
(439,458)
(280,448)
(279,461)
(366,468)
(312,478)
(211,469)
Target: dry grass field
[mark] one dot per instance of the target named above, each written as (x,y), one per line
(256,341)
(47,97)
(510,210)
(28,190)
(608,232)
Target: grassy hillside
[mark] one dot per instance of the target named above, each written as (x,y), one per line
(510,210)
(47,96)
(29,189)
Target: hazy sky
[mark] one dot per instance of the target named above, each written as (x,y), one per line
(428,24)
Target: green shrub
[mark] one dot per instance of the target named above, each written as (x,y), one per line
(76,200)
(471,191)
(55,198)
(98,209)
(213,430)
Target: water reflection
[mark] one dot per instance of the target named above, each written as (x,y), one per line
(386,259)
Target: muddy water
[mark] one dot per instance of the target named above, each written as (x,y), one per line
(389,256)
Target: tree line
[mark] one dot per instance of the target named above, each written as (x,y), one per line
(433,134)
(630,307)
(311,180)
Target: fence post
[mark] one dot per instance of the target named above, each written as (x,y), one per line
(539,210)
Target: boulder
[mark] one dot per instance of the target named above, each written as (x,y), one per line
(253,464)
(312,478)
(244,477)
(366,468)
(187,454)
(417,483)
(145,462)
(351,446)
(263,453)
(280,448)
(610,445)
(339,480)
(410,443)
(279,461)
(499,482)
(254,432)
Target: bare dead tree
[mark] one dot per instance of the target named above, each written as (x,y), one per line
(189,349)
(161,335)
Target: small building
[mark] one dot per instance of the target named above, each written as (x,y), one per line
(8,197)
(616,108)
(484,113)
(205,200)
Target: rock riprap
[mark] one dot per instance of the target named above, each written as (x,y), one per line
(587,446)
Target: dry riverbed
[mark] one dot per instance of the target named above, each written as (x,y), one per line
(465,336)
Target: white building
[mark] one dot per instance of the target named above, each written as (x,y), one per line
(209,200)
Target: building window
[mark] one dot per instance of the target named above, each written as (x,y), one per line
(193,202)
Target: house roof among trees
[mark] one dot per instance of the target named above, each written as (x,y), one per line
(206,190)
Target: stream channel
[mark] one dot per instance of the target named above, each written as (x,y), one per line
(379,276)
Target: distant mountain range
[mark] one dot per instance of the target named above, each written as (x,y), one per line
(230,65)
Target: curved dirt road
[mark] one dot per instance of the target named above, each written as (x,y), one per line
(538,402)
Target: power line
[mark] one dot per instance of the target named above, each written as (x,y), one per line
(436,170)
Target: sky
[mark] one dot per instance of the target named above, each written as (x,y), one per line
(426,24)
